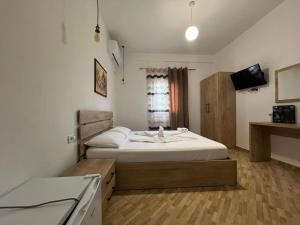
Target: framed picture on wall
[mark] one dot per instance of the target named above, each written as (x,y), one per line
(100,86)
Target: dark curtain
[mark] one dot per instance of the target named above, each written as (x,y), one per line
(178,91)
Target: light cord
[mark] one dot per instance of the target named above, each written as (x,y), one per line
(123,79)
(97,13)
(191,5)
(191,15)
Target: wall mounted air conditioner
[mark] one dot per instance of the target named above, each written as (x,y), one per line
(115,52)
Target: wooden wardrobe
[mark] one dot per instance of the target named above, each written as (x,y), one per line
(218,109)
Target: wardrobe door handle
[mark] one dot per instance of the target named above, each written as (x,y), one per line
(208,108)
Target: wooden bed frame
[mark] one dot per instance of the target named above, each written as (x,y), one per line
(145,175)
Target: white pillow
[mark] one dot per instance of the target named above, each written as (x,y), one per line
(123,130)
(108,139)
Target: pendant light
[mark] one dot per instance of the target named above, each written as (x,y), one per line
(97,29)
(192,31)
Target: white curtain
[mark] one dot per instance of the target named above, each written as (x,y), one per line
(158,101)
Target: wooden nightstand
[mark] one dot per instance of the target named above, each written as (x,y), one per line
(105,167)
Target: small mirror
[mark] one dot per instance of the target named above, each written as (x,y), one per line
(287,87)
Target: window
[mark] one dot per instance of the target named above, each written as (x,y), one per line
(158,101)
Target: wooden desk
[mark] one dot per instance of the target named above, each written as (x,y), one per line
(260,140)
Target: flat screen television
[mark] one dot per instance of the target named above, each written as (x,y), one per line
(253,76)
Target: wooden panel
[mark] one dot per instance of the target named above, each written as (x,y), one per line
(218,109)
(88,130)
(209,94)
(212,109)
(91,123)
(203,107)
(176,174)
(89,116)
(286,132)
(280,125)
(260,141)
(106,199)
(226,117)
(107,193)
(108,182)
(110,188)
(260,144)
(90,166)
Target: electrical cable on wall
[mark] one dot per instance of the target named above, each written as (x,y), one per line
(123,78)
(97,29)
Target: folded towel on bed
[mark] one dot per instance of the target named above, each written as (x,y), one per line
(166,133)
(165,139)
(146,133)
(182,129)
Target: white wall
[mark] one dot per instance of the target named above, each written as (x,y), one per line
(274,43)
(132,98)
(44,81)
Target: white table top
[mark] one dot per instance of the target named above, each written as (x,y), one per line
(39,190)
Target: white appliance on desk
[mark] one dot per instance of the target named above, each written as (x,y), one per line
(68,201)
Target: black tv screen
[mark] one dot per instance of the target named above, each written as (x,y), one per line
(251,77)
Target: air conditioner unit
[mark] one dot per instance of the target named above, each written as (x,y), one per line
(115,52)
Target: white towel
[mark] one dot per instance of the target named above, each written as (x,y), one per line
(160,140)
(182,129)
(166,133)
(146,133)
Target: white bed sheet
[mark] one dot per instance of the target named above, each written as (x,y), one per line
(198,148)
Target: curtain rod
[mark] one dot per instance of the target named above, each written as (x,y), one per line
(144,68)
(174,61)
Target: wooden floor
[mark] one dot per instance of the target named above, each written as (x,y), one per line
(268,193)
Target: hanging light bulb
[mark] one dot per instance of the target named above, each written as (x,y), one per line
(97,33)
(192,31)
(97,29)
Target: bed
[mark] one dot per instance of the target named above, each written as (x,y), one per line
(195,148)
(188,163)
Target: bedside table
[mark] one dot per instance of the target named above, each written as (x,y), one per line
(105,167)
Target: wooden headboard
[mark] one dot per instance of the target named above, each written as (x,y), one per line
(90,124)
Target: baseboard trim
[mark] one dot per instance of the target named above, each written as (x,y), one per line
(284,160)
(241,149)
(292,164)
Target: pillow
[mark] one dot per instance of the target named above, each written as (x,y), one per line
(108,139)
(123,130)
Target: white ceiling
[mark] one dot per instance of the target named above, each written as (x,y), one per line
(158,26)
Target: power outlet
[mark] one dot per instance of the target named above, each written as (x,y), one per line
(71,139)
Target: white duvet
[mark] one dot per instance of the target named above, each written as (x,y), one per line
(195,147)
